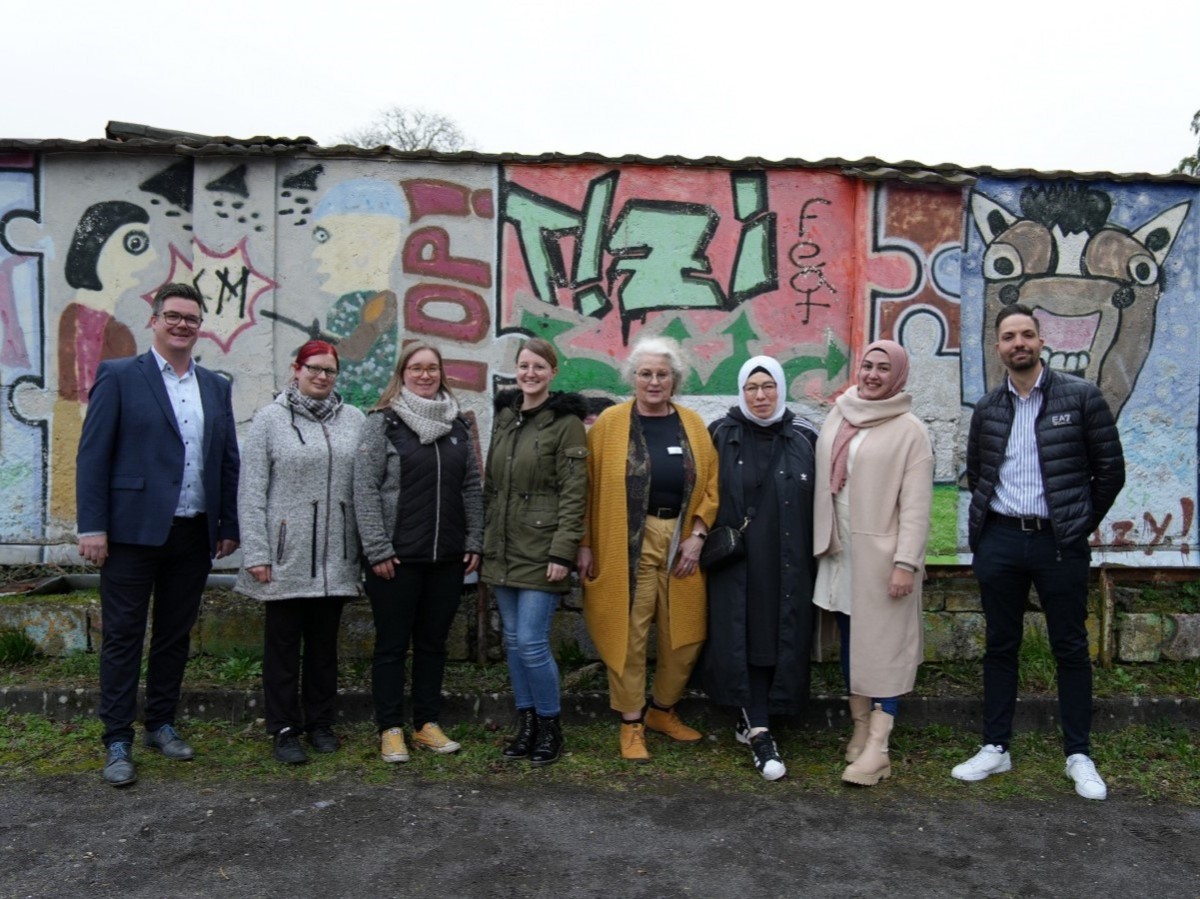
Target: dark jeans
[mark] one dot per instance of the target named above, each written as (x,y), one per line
(300,685)
(416,606)
(175,574)
(1007,562)
(889,704)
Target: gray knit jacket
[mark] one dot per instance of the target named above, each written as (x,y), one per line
(377,492)
(295,503)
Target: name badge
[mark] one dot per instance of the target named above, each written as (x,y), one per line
(674,450)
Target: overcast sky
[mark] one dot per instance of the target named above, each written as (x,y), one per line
(1051,84)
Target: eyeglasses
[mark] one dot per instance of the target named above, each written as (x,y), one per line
(175,319)
(760,388)
(318,370)
(648,376)
(417,370)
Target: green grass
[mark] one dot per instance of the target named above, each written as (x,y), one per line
(943,522)
(1161,679)
(1140,763)
(16,648)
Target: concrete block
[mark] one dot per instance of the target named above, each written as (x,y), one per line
(953,636)
(1182,637)
(57,628)
(229,624)
(568,631)
(458,643)
(356,639)
(573,600)
(933,600)
(1140,638)
(963,601)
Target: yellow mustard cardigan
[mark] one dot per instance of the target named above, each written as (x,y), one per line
(606,597)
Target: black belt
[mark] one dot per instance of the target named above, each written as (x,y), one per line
(1028,525)
(187,519)
(663,512)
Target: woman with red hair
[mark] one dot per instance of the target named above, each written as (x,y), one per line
(300,545)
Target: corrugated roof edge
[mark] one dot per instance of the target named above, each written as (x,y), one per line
(869,168)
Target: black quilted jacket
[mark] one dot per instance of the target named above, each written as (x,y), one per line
(1083,466)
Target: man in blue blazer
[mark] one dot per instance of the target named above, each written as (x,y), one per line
(156,484)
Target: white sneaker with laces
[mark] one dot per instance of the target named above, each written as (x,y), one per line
(989,760)
(1088,782)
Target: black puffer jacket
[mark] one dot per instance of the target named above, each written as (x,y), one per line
(1083,466)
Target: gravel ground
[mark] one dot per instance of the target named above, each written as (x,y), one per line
(75,836)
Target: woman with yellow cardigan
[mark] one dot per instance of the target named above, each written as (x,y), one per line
(652,495)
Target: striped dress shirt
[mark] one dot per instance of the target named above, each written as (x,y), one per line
(1020,492)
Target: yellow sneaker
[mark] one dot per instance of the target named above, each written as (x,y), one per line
(391,745)
(633,742)
(431,737)
(665,721)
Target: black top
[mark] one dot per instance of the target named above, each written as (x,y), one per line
(665,445)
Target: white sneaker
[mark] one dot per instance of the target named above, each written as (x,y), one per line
(766,756)
(1088,782)
(990,759)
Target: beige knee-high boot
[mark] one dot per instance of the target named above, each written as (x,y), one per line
(872,766)
(860,714)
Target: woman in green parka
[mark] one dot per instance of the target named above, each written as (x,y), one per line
(534,495)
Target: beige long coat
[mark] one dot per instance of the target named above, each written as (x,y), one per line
(891,490)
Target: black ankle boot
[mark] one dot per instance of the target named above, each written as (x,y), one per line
(523,743)
(549,745)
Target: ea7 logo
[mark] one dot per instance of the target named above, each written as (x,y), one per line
(1057,420)
(1093,285)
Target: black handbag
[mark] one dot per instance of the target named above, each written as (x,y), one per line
(727,544)
(724,546)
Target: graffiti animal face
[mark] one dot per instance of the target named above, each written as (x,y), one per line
(1094,287)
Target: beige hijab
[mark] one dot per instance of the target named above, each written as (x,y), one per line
(859,413)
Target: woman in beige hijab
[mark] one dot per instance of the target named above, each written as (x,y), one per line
(871,522)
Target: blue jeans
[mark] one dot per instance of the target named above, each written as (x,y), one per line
(526,616)
(889,704)
(1007,563)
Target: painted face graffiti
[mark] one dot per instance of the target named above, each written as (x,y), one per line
(1094,286)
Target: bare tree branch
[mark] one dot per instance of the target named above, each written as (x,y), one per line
(1190,165)
(408,128)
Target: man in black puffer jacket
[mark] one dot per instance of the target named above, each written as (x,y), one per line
(1044,465)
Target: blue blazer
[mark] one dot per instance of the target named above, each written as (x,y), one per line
(129,469)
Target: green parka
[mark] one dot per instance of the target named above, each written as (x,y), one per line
(535,491)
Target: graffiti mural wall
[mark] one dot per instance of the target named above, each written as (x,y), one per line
(806,264)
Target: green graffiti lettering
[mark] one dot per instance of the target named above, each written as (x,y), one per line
(539,224)
(659,248)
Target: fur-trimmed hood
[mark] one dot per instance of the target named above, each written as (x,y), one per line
(559,403)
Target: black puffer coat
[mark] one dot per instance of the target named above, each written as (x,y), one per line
(1083,466)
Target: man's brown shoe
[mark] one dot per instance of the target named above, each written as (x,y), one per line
(665,721)
(633,742)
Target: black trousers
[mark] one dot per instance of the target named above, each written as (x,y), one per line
(416,606)
(300,662)
(174,574)
(1007,563)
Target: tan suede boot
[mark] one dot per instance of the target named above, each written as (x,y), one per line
(633,742)
(860,714)
(873,765)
